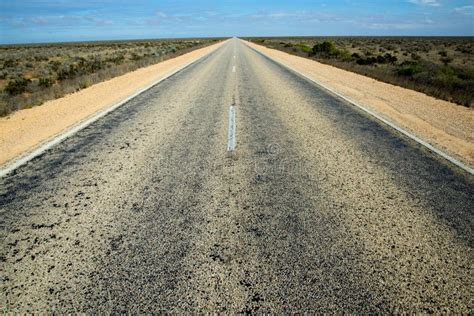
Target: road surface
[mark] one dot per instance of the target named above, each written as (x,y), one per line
(318,207)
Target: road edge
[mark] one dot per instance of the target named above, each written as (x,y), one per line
(39,149)
(373,114)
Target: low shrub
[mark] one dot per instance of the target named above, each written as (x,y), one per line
(326,48)
(445,72)
(387,59)
(4,109)
(415,56)
(45,82)
(9,63)
(17,86)
(303,47)
(446,60)
(67,72)
(466,74)
(409,68)
(366,61)
(355,56)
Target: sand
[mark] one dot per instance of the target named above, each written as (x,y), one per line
(24,130)
(447,126)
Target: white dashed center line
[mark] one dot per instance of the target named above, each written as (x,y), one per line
(233,69)
(231,131)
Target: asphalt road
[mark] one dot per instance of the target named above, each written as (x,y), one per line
(319,207)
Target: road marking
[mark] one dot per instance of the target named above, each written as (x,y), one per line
(413,137)
(48,144)
(234,56)
(231,131)
(233,68)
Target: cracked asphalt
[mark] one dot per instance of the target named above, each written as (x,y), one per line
(319,209)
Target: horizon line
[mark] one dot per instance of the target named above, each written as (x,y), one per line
(224,37)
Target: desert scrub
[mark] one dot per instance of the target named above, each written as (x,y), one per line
(17,86)
(409,68)
(442,67)
(33,74)
(45,82)
(303,48)
(326,49)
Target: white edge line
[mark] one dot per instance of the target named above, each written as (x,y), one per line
(377,116)
(48,144)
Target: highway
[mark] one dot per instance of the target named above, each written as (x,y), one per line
(233,186)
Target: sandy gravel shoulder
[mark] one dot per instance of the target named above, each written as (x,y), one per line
(24,130)
(443,124)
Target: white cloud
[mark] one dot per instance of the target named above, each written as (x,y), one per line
(161,14)
(432,3)
(467,10)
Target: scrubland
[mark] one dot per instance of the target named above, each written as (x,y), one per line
(442,67)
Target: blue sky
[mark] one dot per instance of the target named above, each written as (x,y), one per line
(26,21)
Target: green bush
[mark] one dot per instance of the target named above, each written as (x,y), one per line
(303,47)
(355,56)
(466,74)
(409,68)
(445,72)
(383,59)
(17,86)
(367,61)
(326,48)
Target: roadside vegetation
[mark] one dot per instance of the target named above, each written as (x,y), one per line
(33,74)
(442,67)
